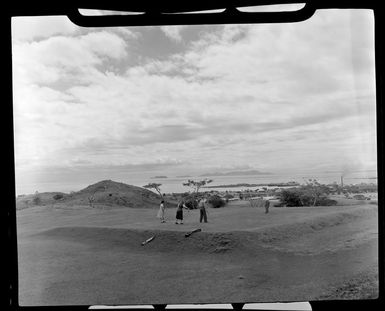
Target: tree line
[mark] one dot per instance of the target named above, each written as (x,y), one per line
(311,193)
(192,198)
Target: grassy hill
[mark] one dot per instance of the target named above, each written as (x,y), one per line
(103,193)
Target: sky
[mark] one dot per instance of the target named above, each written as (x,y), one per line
(107,103)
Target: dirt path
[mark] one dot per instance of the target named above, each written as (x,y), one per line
(91,264)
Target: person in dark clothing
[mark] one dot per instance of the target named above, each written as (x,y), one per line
(202,210)
(267,205)
(179,213)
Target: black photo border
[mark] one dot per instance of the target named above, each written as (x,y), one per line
(156,14)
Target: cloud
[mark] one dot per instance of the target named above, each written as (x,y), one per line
(173,32)
(62,58)
(32,28)
(318,64)
(233,95)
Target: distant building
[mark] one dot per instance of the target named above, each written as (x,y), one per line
(359,197)
(233,199)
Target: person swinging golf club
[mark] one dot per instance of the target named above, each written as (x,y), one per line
(179,212)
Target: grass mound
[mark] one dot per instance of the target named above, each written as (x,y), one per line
(164,241)
(314,225)
(111,193)
(323,233)
(101,194)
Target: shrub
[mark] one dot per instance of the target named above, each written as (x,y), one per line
(58,196)
(280,204)
(328,202)
(302,197)
(216,201)
(36,200)
(191,200)
(191,204)
(291,197)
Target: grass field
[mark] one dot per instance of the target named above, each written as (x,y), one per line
(88,256)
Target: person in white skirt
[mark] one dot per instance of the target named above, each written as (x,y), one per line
(161,212)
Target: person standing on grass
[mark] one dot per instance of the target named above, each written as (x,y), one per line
(202,210)
(267,205)
(161,212)
(179,212)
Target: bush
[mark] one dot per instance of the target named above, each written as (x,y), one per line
(36,200)
(303,197)
(291,197)
(191,200)
(186,195)
(328,202)
(58,196)
(216,201)
(280,204)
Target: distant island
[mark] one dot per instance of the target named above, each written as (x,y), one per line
(183,176)
(237,173)
(283,184)
(161,176)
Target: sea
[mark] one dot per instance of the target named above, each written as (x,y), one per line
(175,184)
(170,185)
